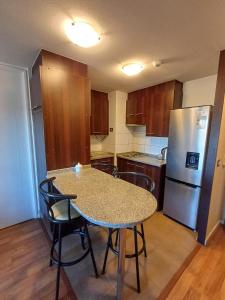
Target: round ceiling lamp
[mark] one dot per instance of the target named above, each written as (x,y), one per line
(82,34)
(132,69)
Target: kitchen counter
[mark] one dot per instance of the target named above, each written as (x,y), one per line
(144,158)
(100,154)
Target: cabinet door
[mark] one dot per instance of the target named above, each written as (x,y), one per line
(151,112)
(160,100)
(130,167)
(140,168)
(140,107)
(99,113)
(66,111)
(131,108)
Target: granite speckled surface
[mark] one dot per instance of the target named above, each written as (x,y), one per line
(100,154)
(144,158)
(105,200)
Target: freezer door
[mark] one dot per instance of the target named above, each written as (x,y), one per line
(187,142)
(181,202)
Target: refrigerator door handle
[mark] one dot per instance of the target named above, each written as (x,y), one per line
(192,186)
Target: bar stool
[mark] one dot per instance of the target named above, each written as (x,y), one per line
(147,183)
(108,168)
(61,214)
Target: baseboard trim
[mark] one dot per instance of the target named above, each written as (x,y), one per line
(71,293)
(212,232)
(164,294)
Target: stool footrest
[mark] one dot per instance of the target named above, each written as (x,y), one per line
(127,255)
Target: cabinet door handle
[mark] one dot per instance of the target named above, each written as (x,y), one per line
(139,114)
(36,107)
(130,114)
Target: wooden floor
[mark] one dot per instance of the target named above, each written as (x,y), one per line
(168,246)
(24,270)
(25,274)
(204,278)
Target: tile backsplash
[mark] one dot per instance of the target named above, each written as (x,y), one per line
(96,143)
(147,144)
(134,140)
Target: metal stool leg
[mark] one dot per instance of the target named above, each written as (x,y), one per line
(117,236)
(136,259)
(91,251)
(53,244)
(59,263)
(82,239)
(143,237)
(107,251)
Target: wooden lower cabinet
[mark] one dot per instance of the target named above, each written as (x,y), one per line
(108,160)
(156,173)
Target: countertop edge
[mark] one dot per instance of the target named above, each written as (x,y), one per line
(141,161)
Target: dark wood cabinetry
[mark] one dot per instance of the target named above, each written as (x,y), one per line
(156,173)
(135,108)
(60,87)
(151,107)
(159,100)
(107,160)
(99,113)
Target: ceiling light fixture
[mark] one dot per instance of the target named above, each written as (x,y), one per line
(82,34)
(132,69)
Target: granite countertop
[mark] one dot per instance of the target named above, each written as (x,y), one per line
(145,158)
(105,200)
(101,154)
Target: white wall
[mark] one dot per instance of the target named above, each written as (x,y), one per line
(199,91)
(123,134)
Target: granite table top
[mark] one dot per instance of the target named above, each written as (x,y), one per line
(103,199)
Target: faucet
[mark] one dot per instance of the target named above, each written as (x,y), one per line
(164,153)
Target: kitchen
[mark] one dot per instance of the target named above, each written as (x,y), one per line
(129,125)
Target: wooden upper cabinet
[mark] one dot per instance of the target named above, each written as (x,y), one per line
(160,99)
(99,113)
(135,108)
(65,93)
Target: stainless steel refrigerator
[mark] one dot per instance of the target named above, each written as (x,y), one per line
(187,143)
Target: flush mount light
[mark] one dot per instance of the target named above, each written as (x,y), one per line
(82,34)
(132,69)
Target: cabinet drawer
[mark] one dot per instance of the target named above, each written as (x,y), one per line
(108,160)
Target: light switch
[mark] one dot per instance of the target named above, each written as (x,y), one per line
(111,129)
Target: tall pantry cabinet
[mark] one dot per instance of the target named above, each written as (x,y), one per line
(60,101)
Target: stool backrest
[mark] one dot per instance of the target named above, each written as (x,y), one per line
(51,196)
(108,168)
(139,179)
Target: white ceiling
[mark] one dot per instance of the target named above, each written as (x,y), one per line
(185,34)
